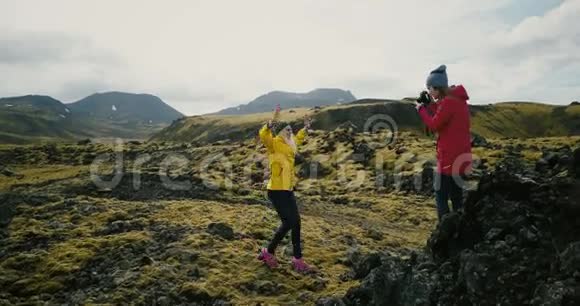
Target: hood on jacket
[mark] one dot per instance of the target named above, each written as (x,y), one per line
(458,91)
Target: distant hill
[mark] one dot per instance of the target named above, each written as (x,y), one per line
(267,102)
(512,119)
(35,118)
(120,106)
(36,104)
(526,119)
(372,101)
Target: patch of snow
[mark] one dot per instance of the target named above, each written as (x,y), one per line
(114,108)
(62,115)
(8,105)
(66,110)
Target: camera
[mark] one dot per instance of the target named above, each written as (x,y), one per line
(424,98)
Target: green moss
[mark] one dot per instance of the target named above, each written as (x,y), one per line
(531,156)
(71,231)
(70,256)
(33,175)
(35,285)
(24,287)
(195,292)
(49,287)
(26,262)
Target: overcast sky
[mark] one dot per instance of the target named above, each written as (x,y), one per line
(202,56)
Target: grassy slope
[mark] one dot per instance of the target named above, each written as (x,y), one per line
(500,120)
(26,127)
(72,225)
(227,268)
(212,128)
(526,120)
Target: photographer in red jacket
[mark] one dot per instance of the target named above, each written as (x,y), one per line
(449,118)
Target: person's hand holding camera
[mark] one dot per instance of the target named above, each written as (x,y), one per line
(423,100)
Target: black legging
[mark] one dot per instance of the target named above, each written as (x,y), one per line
(285,204)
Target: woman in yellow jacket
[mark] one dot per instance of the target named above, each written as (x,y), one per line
(282,145)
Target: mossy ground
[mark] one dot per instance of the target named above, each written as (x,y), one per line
(67,242)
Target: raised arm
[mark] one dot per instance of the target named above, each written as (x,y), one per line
(440,118)
(266,137)
(301,135)
(266,131)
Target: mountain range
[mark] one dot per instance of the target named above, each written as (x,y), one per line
(126,107)
(267,102)
(35,118)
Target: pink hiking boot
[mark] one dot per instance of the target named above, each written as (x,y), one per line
(300,266)
(267,258)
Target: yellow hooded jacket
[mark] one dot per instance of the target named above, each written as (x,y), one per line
(281,158)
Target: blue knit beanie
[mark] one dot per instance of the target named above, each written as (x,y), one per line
(438,77)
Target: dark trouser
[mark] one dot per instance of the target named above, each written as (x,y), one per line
(447,186)
(285,204)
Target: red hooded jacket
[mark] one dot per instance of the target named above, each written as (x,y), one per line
(451,122)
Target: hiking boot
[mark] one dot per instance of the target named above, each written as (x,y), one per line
(267,258)
(299,265)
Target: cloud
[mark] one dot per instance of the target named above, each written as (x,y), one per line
(21,47)
(188,94)
(66,66)
(75,90)
(203,55)
(518,63)
(33,49)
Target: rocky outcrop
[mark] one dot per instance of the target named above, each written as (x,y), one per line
(516,243)
(363,153)
(221,230)
(479,141)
